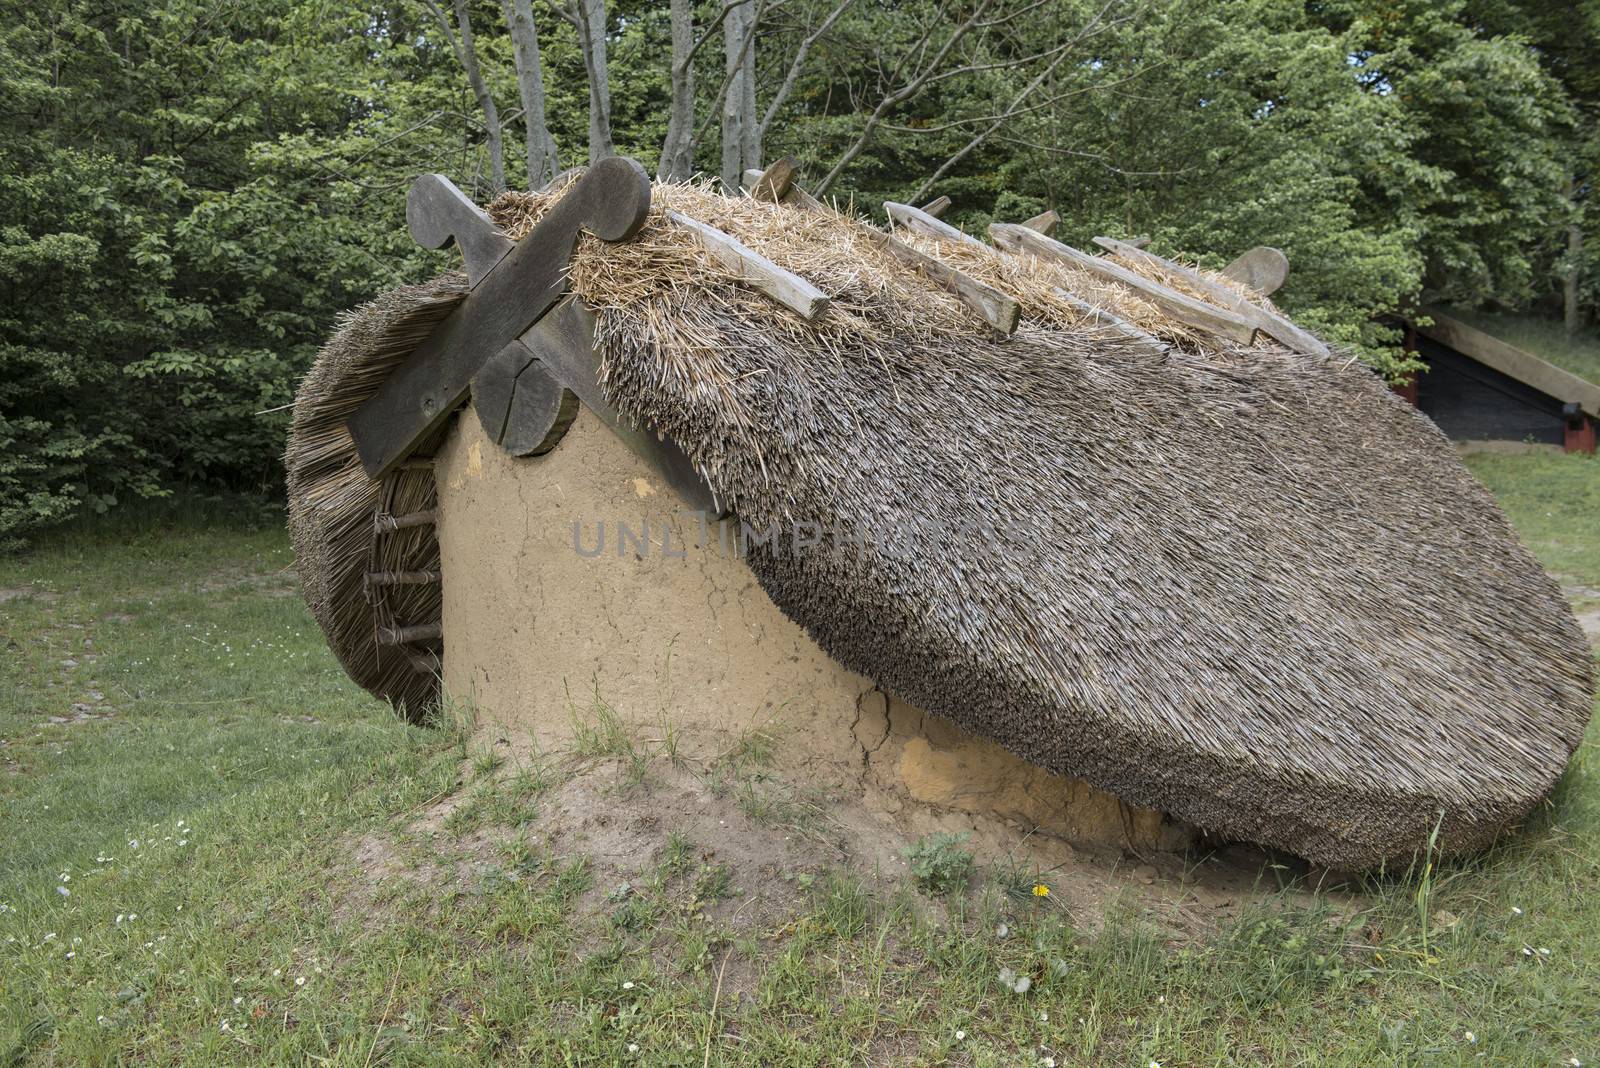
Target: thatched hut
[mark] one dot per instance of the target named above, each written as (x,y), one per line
(1104,525)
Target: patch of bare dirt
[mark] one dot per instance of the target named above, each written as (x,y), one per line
(24,593)
(774,839)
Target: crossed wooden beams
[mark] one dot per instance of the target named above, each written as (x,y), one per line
(1222,312)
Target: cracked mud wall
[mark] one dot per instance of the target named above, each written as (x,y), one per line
(545,615)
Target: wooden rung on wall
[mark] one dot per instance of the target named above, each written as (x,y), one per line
(422,632)
(423,661)
(402,578)
(387,523)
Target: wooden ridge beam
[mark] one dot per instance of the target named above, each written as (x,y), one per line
(790,290)
(999,310)
(1276,327)
(1180,306)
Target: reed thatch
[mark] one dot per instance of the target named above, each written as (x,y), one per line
(1243,585)
(333,506)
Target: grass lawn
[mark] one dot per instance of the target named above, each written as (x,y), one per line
(1545,338)
(212,855)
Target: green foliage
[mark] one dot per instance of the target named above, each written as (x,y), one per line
(938,863)
(190,194)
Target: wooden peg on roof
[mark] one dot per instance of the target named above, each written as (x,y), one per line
(937,206)
(1274,326)
(790,290)
(1263,268)
(792,195)
(1180,306)
(774,182)
(1044,222)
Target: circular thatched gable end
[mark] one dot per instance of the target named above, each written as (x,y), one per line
(1238,583)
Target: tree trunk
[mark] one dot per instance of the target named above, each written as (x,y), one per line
(741,136)
(1570,277)
(491,115)
(677,151)
(542,161)
(592,36)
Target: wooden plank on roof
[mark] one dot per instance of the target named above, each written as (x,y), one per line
(1509,360)
(1274,326)
(1180,306)
(994,307)
(1116,324)
(920,221)
(790,290)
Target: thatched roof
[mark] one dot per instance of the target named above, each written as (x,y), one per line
(1244,585)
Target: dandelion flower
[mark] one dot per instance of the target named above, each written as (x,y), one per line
(300,980)
(1470,1037)
(1041,890)
(633,1047)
